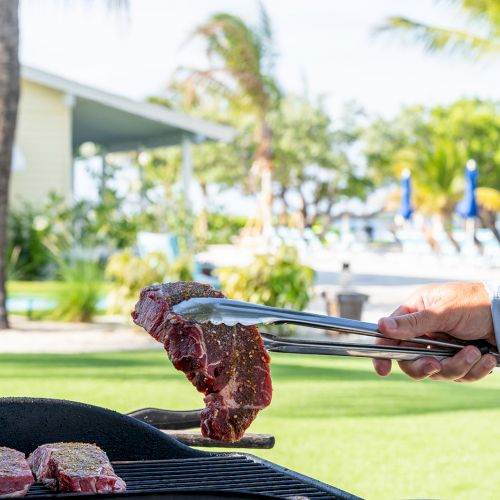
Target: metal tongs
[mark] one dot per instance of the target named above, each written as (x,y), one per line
(233,312)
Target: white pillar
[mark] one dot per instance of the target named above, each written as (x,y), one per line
(187,169)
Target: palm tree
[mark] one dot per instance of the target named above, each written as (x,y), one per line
(484,38)
(9,98)
(437,174)
(241,71)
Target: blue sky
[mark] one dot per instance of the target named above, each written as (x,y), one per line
(327,43)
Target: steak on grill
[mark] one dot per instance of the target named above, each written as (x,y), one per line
(229,364)
(72,467)
(15,473)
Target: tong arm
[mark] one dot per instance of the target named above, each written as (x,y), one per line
(399,353)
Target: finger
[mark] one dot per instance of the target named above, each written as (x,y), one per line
(482,368)
(401,311)
(421,368)
(382,366)
(409,325)
(459,365)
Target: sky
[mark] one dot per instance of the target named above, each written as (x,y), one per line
(324,47)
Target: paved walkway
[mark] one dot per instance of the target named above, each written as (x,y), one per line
(56,337)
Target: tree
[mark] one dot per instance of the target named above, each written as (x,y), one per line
(240,70)
(483,38)
(435,144)
(312,161)
(9,97)
(472,124)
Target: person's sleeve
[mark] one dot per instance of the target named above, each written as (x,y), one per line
(494,291)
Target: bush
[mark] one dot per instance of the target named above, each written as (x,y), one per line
(27,256)
(277,280)
(78,298)
(131,273)
(222,228)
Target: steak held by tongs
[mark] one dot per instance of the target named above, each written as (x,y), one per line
(229,364)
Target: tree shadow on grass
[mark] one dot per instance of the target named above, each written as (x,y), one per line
(88,366)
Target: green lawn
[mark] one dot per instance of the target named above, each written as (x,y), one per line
(333,418)
(45,289)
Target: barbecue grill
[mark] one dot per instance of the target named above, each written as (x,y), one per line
(153,464)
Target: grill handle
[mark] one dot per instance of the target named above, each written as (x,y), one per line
(254,441)
(168,419)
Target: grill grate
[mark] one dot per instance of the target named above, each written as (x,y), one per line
(230,473)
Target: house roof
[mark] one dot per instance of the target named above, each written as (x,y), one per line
(119,123)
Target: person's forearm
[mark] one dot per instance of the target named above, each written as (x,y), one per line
(494,291)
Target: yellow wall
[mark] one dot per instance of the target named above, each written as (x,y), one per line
(44,138)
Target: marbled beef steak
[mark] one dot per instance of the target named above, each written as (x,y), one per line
(72,467)
(229,364)
(15,473)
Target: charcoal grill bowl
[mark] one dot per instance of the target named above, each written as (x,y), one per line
(26,423)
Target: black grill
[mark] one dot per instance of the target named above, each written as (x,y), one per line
(152,464)
(231,473)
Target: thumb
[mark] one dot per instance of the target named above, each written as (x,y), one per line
(409,325)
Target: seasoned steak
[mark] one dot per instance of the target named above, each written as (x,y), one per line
(15,473)
(228,364)
(71,467)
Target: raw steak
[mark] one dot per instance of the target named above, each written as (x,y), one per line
(15,473)
(228,364)
(70,467)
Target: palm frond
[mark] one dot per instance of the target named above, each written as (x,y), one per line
(441,39)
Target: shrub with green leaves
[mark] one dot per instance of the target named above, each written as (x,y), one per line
(222,227)
(27,256)
(130,273)
(276,279)
(78,299)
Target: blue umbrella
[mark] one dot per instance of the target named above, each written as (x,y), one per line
(406,207)
(467,207)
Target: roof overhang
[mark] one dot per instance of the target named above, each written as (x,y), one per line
(121,124)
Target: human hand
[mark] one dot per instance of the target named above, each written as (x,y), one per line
(453,310)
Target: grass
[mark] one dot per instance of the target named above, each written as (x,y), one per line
(44,289)
(333,418)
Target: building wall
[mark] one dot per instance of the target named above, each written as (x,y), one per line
(43,137)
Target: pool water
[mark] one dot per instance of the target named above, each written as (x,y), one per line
(22,304)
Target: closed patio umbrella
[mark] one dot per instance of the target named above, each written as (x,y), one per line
(467,207)
(406,207)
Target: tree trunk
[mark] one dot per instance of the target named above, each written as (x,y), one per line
(203,215)
(9,97)
(447,227)
(264,160)
(488,220)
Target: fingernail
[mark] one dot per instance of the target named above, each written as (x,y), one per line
(472,355)
(430,369)
(391,323)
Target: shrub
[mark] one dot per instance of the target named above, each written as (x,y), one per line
(130,273)
(277,279)
(78,298)
(27,256)
(222,228)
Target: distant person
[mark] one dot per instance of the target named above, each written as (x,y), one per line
(464,311)
(368,229)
